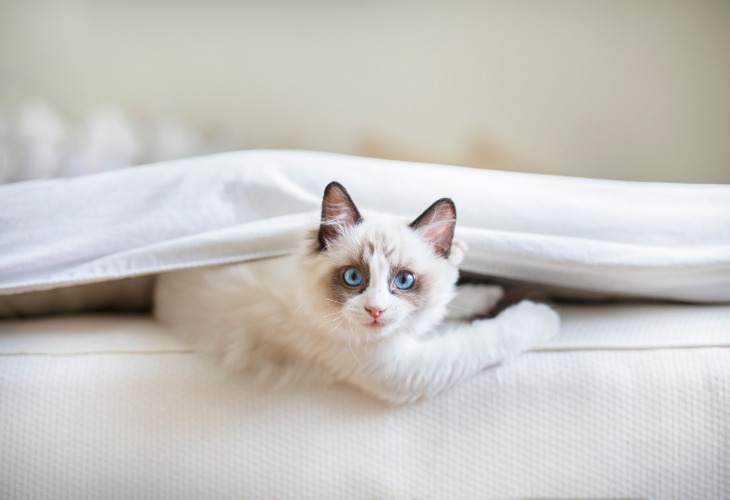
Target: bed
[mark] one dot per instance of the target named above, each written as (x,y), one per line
(631,400)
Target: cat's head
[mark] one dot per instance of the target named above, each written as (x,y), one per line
(379,274)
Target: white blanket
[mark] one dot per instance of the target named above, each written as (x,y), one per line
(645,240)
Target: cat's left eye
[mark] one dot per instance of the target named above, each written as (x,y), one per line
(404,280)
(352,276)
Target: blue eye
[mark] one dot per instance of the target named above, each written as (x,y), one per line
(352,276)
(404,280)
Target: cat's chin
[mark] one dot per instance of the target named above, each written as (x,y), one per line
(378,329)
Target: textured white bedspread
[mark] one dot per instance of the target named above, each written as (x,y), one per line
(629,401)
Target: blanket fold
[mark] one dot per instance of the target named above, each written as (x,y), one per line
(659,241)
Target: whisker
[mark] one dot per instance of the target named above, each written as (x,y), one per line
(337,325)
(349,344)
(408,328)
(359,342)
(330,321)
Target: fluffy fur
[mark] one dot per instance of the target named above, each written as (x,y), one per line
(400,345)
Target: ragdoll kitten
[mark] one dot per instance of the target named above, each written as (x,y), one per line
(369,301)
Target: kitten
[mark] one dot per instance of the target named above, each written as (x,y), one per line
(370,301)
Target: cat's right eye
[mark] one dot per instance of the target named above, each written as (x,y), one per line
(352,276)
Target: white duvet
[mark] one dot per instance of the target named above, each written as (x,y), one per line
(664,241)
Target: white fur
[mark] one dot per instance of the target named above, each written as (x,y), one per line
(272,313)
(472,300)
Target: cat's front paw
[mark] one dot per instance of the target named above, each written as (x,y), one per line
(531,323)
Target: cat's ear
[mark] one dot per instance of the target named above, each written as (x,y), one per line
(338,213)
(436,225)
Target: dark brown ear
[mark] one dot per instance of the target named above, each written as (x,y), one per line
(338,213)
(436,225)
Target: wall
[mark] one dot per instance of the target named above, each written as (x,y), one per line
(614,89)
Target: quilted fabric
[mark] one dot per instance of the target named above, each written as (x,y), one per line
(109,407)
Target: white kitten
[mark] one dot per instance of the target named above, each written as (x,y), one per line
(365,301)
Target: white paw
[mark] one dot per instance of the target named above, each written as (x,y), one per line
(534,323)
(472,300)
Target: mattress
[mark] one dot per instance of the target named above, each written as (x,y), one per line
(630,400)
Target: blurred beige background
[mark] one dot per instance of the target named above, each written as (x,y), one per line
(636,90)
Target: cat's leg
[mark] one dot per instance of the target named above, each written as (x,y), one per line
(473,300)
(413,369)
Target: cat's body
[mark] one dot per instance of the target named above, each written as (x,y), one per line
(368,301)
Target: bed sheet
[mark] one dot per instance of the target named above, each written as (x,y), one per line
(649,240)
(621,404)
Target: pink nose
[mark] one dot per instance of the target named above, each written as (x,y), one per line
(374,311)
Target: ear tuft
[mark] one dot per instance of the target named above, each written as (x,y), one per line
(338,213)
(436,225)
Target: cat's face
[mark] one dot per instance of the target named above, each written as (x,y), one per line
(378,274)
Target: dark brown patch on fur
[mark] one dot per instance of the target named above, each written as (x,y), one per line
(388,253)
(366,252)
(416,294)
(438,223)
(337,205)
(340,291)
